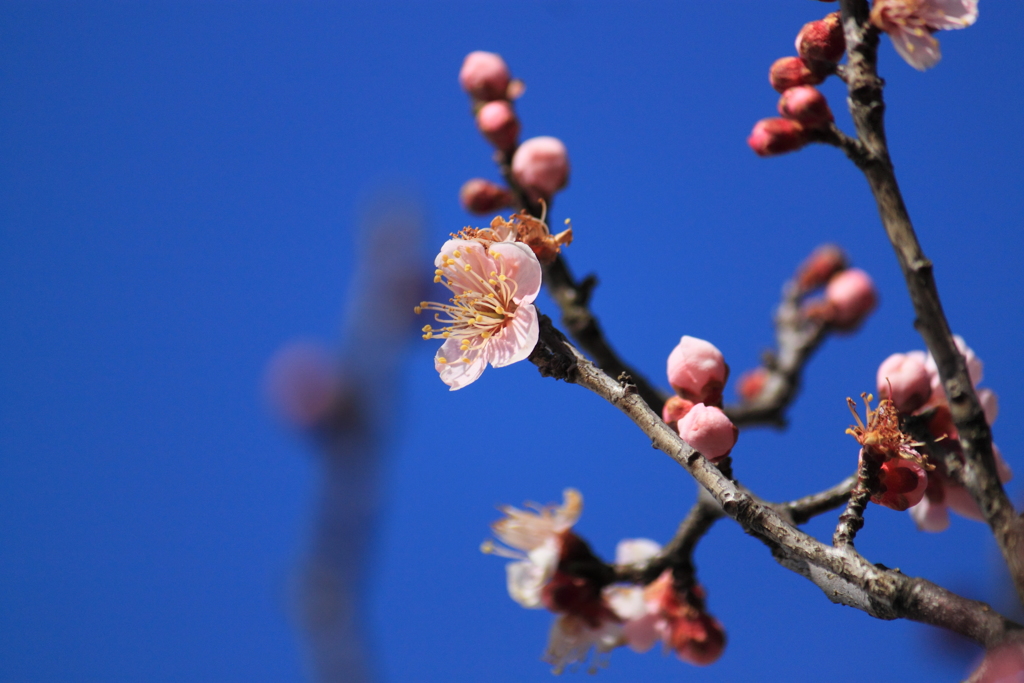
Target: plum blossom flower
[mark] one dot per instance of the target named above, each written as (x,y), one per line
(911,23)
(491,317)
(546,554)
(535,539)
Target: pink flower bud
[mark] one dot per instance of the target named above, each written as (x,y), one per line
(790,72)
(708,430)
(484,75)
(908,377)
(820,266)
(541,166)
(851,295)
(482,196)
(499,124)
(776,136)
(903,483)
(822,39)
(807,105)
(751,383)
(975,368)
(697,370)
(675,409)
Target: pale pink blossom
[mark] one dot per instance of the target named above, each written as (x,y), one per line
(708,430)
(485,76)
(534,538)
(911,23)
(904,379)
(989,404)
(491,317)
(573,638)
(541,166)
(942,495)
(851,295)
(975,368)
(697,370)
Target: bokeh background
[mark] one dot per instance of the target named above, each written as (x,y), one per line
(182,186)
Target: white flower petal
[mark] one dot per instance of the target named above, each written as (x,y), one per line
(526,581)
(521,265)
(636,550)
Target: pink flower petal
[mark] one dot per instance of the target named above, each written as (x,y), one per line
(455,372)
(950,14)
(517,340)
(930,516)
(521,265)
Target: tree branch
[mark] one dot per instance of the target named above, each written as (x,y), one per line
(842,574)
(979,471)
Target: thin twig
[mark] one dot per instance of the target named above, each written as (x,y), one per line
(797,337)
(842,574)
(979,470)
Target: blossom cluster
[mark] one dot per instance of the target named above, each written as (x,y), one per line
(554,568)
(697,372)
(911,382)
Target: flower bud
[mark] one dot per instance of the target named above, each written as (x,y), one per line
(751,383)
(851,296)
(776,136)
(708,430)
(485,76)
(908,379)
(820,266)
(699,641)
(499,124)
(807,105)
(822,39)
(541,166)
(697,370)
(902,484)
(482,196)
(675,409)
(790,72)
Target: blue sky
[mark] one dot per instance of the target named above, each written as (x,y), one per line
(180,189)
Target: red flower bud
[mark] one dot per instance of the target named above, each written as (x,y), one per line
(482,196)
(820,266)
(675,409)
(790,72)
(499,124)
(777,136)
(807,105)
(751,383)
(822,39)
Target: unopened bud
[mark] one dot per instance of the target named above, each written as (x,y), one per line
(851,297)
(485,76)
(904,380)
(697,371)
(790,72)
(820,266)
(709,431)
(777,136)
(482,196)
(807,105)
(303,383)
(902,484)
(541,167)
(751,383)
(822,39)
(675,409)
(499,124)
(699,640)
